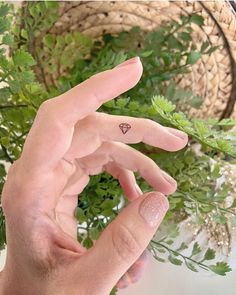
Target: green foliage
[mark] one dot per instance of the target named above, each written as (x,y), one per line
(98,205)
(193,262)
(221,268)
(197,128)
(22,58)
(2,230)
(197,194)
(72,58)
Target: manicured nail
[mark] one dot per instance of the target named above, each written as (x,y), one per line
(178,133)
(168,178)
(153,208)
(129,61)
(138,189)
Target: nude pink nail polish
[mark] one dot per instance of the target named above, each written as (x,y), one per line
(153,208)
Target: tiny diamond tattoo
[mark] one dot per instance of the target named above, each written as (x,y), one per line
(124,127)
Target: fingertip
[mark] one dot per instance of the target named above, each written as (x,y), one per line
(171,183)
(181,138)
(153,208)
(134,68)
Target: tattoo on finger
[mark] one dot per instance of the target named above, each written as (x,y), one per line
(124,127)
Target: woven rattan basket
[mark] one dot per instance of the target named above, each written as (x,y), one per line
(213,77)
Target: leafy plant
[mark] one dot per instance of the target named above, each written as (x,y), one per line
(177,258)
(32,74)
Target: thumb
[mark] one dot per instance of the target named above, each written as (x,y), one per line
(125,239)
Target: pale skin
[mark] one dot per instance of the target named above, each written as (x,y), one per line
(68,142)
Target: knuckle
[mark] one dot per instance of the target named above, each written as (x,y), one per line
(47,115)
(125,243)
(44,107)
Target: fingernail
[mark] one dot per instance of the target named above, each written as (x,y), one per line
(153,208)
(129,61)
(138,189)
(168,178)
(178,133)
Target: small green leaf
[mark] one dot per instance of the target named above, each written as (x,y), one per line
(4,9)
(174,260)
(159,259)
(52,5)
(133,105)
(5,141)
(87,243)
(113,291)
(191,266)
(49,40)
(212,49)
(33,11)
(174,42)
(185,36)
(8,39)
(79,213)
(166,58)
(161,250)
(122,102)
(193,57)
(160,103)
(4,94)
(226,122)
(210,254)
(182,247)
(196,101)
(201,128)
(94,233)
(24,34)
(146,53)
(68,38)
(204,46)
(196,249)
(197,19)
(220,268)
(23,58)
(219,218)
(169,242)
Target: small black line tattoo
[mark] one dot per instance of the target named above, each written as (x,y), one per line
(124,127)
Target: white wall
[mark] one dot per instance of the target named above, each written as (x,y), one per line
(166,279)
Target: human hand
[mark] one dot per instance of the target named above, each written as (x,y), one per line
(69,141)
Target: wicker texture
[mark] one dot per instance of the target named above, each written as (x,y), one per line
(213,77)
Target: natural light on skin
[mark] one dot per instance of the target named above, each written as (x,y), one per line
(69,141)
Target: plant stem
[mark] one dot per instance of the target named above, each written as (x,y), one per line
(202,265)
(212,204)
(12,106)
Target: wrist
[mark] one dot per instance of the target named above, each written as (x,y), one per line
(16,283)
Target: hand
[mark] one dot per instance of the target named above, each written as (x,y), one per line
(69,141)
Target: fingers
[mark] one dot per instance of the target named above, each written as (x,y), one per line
(133,130)
(88,96)
(52,131)
(126,179)
(131,159)
(99,127)
(124,240)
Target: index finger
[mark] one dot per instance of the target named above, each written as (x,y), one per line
(52,130)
